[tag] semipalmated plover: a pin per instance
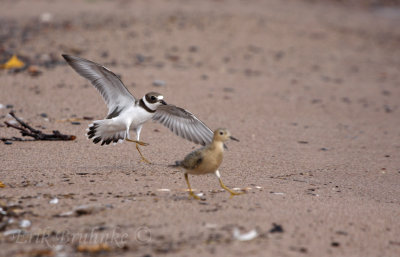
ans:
(207, 160)
(125, 112)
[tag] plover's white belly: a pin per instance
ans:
(137, 116)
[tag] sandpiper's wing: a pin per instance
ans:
(192, 160)
(183, 124)
(115, 94)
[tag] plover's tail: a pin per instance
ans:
(177, 164)
(105, 131)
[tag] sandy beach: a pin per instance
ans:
(311, 89)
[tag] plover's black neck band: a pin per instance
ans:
(142, 104)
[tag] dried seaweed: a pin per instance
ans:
(36, 134)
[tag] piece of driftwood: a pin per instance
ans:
(27, 130)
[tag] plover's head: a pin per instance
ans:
(153, 100)
(223, 135)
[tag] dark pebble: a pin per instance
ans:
(335, 244)
(44, 115)
(104, 54)
(387, 109)
(276, 228)
(193, 49)
(204, 77)
(75, 123)
(279, 55)
(140, 58)
(7, 142)
(228, 89)
(9, 106)
(302, 142)
(303, 250)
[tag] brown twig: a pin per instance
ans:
(27, 130)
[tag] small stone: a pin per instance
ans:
(335, 244)
(34, 71)
(279, 55)
(204, 77)
(159, 83)
(54, 201)
(46, 17)
(276, 228)
(229, 89)
(104, 54)
(140, 58)
(302, 142)
(193, 49)
(387, 109)
(25, 223)
(44, 115)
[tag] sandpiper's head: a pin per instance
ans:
(153, 100)
(223, 135)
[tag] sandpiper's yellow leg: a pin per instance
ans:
(190, 189)
(225, 187)
(137, 147)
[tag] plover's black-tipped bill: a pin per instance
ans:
(234, 139)
(163, 102)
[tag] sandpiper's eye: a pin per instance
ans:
(153, 98)
(221, 133)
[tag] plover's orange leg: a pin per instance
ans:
(137, 142)
(137, 147)
(143, 159)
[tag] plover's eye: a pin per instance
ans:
(153, 98)
(221, 133)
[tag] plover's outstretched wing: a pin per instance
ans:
(184, 124)
(115, 94)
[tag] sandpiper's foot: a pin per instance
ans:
(233, 193)
(191, 194)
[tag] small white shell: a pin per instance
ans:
(54, 201)
(246, 236)
(25, 223)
